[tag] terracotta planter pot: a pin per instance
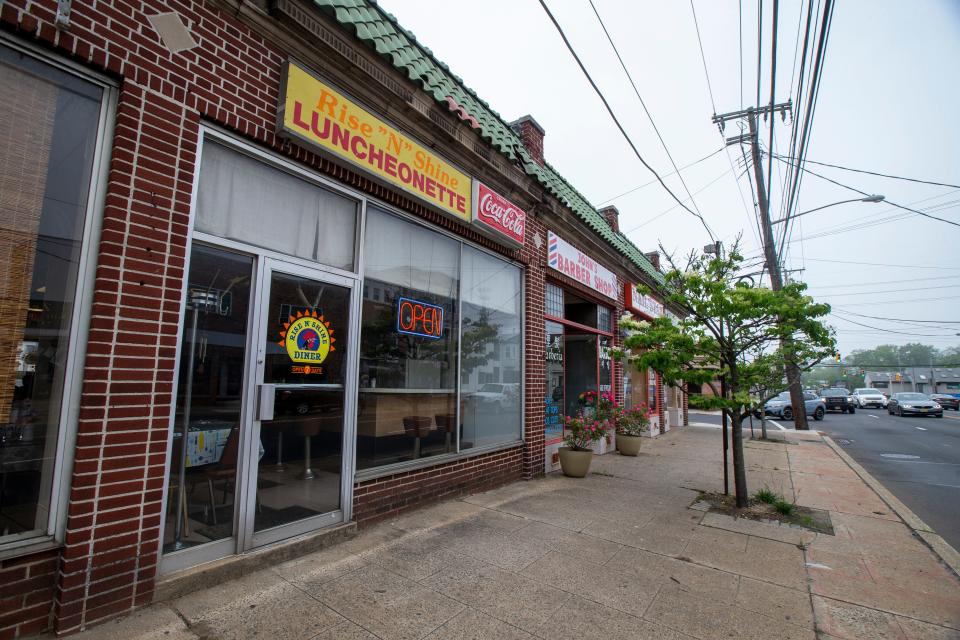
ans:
(575, 464)
(628, 445)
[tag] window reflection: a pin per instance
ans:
(49, 132)
(408, 375)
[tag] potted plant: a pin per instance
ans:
(587, 401)
(580, 433)
(631, 425)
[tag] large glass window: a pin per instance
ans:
(246, 200)
(489, 351)
(206, 435)
(553, 402)
(408, 343)
(48, 139)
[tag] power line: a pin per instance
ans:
(644, 105)
(864, 304)
(613, 116)
(666, 175)
(773, 86)
(860, 315)
(886, 264)
(905, 333)
(870, 293)
(864, 193)
(840, 286)
(882, 175)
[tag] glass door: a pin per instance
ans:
(304, 394)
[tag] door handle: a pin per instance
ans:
(265, 404)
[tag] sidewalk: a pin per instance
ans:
(617, 555)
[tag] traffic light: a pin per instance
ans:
(896, 377)
(838, 356)
(861, 371)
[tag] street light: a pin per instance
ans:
(873, 198)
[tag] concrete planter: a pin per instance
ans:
(628, 445)
(575, 464)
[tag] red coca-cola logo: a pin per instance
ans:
(499, 213)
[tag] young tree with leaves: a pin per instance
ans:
(734, 329)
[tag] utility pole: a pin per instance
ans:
(769, 247)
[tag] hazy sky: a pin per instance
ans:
(889, 102)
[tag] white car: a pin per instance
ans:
(870, 398)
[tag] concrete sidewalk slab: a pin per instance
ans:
(619, 554)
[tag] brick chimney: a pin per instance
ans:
(654, 258)
(531, 134)
(612, 216)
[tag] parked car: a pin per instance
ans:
(868, 397)
(945, 401)
(503, 395)
(837, 399)
(780, 406)
(913, 404)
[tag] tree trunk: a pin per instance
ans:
(739, 468)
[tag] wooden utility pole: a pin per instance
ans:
(791, 370)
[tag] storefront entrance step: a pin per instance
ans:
(208, 574)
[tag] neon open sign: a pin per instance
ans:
(418, 318)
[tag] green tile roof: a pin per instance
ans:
(381, 31)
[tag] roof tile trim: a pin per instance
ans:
(380, 31)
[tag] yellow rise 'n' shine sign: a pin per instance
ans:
(313, 111)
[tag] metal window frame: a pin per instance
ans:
(69, 411)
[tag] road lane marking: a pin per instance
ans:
(873, 416)
(899, 456)
(920, 428)
(777, 425)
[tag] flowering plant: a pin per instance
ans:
(634, 422)
(580, 433)
(587, 399)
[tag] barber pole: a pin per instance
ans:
(493, 212)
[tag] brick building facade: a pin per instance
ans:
(143, 114)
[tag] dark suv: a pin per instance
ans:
(837, 400)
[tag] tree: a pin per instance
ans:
(731, 329)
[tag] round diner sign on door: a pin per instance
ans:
(307, 338)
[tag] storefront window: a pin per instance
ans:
(489, 351)
(635, 390)
(408, 343)
(553, 402)
(606, 364)
(49, 133)
(203, 474)
(249, 201)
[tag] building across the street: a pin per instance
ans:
(918, 379)
(270, 268)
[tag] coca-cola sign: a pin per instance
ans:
(493, 212)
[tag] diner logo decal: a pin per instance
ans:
(308, 339)
(313, 111)
(491, 211)
(570, 261)
(418, 318)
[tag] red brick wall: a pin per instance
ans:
(391, 495)
(26, 590)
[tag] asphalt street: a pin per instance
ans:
(916, 458)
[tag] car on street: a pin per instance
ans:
(502, 395)
(867, 397)
(945, 401)
(780, 406)
(913, 404)
(837, 399)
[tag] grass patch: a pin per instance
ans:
(768, 496)
(783, 507)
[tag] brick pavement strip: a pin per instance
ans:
(619, 554)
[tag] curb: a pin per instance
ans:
(938, 545)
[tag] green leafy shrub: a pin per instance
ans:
(783, 507)
(768, 496)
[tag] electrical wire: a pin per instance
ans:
(864, 304)
(882, 175)
(871, 293)
(666, 175)
(864, 193)
(886, 264)
(644, 105)
(905, 333)
(860, 315)
(840, 286)
(616, 121)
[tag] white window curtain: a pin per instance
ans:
(246, 200)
